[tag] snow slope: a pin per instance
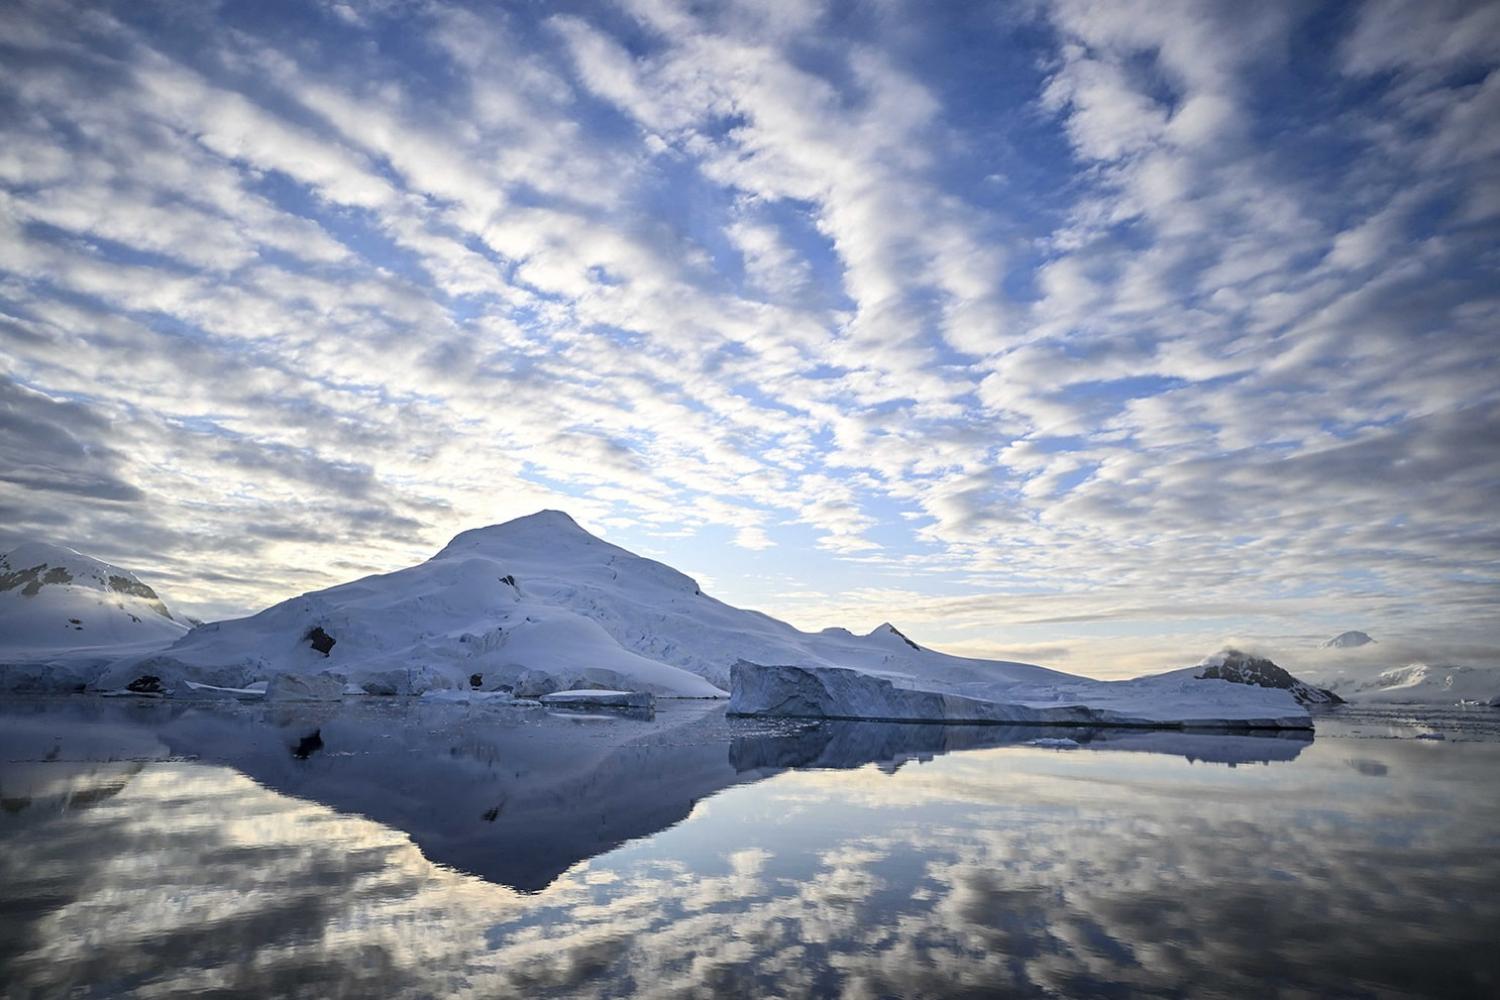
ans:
(63, 614)
(1423, 684)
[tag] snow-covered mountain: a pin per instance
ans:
(538, 604)
(1347, 640)
(1423, 684)
(532, 604)
(62, 612)
(1243, 668)
(53, 597)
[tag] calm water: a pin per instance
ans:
(160, 849)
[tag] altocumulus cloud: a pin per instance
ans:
(1109, 327)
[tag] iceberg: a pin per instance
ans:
(1176, 700)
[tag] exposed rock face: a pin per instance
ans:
(1347, 640)
(1242, 668)
(34, 567)
(31, 579)
(145, 684)
(893, 630)
(321, 641)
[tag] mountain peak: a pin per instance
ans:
(887, 629)
(1348, 640)
(54, 597)
(33, 565)
(36, 553)
(543, 526)
(1239, 667)
(548, 515)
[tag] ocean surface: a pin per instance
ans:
(387, 847)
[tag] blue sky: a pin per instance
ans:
(1091, 333)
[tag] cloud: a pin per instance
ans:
(1154, 301)
(51, 445)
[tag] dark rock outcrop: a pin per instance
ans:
(1242, 668)
(321, 641)
(146, 684)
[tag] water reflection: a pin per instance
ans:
(1007, 869)
(841, 744)
(516, 796)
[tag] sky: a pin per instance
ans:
(1097, 334)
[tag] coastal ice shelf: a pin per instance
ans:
(538, 605)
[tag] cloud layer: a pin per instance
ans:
(1112, 329)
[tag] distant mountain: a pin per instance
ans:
(54, 597)
(1347, 640)
(60, 608)
(1424, 684)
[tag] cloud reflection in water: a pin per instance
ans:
(1002, 870)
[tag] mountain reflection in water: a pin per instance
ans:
(445, 850)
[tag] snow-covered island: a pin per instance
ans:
(536, 606)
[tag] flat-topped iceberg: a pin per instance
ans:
(600, 699)
(1179, 699)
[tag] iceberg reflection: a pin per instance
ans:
(889, 867)
(516, 796)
